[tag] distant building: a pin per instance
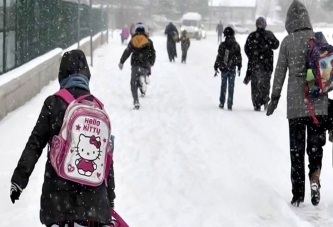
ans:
(239, 11)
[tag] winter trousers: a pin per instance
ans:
(260, 87)
(172, 50)
(138, 80)
(219, 38)
(299, 129)
(227, 77)
(184, 55)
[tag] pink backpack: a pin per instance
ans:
(82, 151)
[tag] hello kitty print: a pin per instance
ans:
(81, 152)
(88, 150)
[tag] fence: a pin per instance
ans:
(30, 28)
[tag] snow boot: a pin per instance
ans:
(230, 107)
(257, 108)
(296, 201)
(315, 188)
(221, 106)
(330, 136)
(137, 106)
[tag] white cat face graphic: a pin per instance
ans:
(88, 147)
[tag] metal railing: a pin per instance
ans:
(30, 28)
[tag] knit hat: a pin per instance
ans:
(73, 62)
(261, 23)
(140, 27)
(228, 32)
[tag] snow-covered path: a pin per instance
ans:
(180, 161)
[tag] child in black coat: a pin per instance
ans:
(63, 201)
(185, 44)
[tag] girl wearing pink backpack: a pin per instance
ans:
(63, 201)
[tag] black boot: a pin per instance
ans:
(221, 106)
(315, 187)
(257, 108)
(229, 107)
(296, 200)
(315, 193)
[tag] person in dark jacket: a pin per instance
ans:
(229, 56)
(63, 201)
(143, 58)
(292, 57)
(185, 45)
(172, 38)
(219, 30)
(259, 49)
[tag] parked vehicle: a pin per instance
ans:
(239, 29)
(191, 22)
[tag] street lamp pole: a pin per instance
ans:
(78, 24)
(91, 35)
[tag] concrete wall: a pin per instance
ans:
(21, 84)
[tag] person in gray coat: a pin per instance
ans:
(292, 57)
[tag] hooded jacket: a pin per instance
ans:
(185, 41)
(61, 199)
(142, 50)
(292, 57)
(234, 57)
(259, 48)
(170, 31)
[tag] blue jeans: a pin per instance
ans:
(229, 77)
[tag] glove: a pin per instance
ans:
(239, 70)
(121, 66)
(272, 105)
(216, 72)
(15, 192)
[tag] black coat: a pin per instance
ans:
(172, 37)
(259, 48)
(62, 200)
(185, 42)
(235, 56)
(170, 31)
(142, 50)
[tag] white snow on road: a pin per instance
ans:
(180, 161)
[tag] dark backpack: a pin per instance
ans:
(228, 57)
(319, 75)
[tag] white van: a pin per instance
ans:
(191, 22)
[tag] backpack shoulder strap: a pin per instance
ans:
(65, 95)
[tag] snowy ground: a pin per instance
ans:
(180, 161)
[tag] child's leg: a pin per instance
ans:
(135, 84)
(223, 88)
(231, 85)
